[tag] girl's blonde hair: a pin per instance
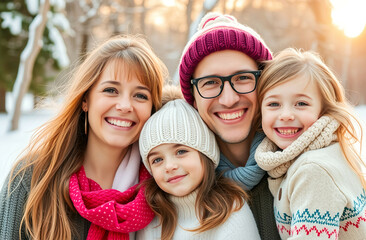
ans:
(217, 198)
(291, 63)
(56, 149)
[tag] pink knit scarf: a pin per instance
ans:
(113, 214)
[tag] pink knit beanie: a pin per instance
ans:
(218, 32)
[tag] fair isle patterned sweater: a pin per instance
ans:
(316, 194)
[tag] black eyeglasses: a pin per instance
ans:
(211, 86)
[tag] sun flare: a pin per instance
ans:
(349, 16)
(168, 3)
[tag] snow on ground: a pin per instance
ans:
(11, 144)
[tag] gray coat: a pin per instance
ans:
(12, 207)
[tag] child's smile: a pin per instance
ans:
(176, 168)
(289, 109)
(288, 132)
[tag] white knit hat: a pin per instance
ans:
(178, 122)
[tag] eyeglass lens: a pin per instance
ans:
(241, 82)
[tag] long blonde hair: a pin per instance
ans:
(217, 198)
(56, 149)
(291, 63)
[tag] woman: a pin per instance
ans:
(87, 156)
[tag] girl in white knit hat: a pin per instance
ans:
(309, 152)
(190, 202)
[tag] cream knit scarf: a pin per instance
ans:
(276, 162)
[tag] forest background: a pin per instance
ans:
(334, 28)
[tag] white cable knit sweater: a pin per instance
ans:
(240, 224)
(316, 194)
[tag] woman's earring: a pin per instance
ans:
(86, 123)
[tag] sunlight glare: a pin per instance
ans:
(168, 3)
(349, 16)
(159, 20)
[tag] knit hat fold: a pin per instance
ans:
(217, 32)
(177, 122)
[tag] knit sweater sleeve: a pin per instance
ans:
(12, 207)
(151, 231)
(316, 203)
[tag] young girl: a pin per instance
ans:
(78, 177)
(190, 202)
(309, 152)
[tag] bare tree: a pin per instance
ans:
(322, 14)
(142, 18)
(89, 10)
(2, 99)
(188, 14)
(27, 60)
(207, 6)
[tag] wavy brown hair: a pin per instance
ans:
(291, 63)
(217, 198)
(56, 149)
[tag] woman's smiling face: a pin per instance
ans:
(118, 106)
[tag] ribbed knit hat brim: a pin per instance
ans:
(178, 122)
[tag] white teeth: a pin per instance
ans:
(288, 131)
(230, 116)
(120, 123)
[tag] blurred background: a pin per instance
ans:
(69, 28)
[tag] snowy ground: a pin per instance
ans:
(12, 143)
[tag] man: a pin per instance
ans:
(218, 74)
